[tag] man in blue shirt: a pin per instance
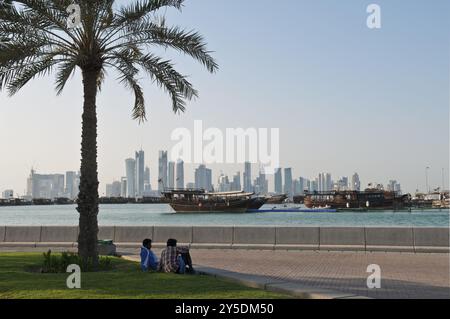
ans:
(149, 261)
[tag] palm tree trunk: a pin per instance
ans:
(88, 195)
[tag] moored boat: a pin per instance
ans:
(200, 201)
(277, 199)
(299, 199)
(294, 210)
(256, 203)
(368, 199)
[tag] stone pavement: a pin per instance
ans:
(403, 275)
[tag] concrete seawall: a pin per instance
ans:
(400, 239)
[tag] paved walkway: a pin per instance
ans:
(403, 275)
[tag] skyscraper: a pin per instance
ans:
(203, 178)
(48, 186)
(342, 184)
(190, 185)
(248, 178)
(109, 190)
(224, 184)
(147, 190)
(325, 183)
(278, 181)
(180, 174)
(70, 178)
(393, 186)
(123, 187)
(236, 184)
(116, 188)
(8, 194)
(140, 168)
(171, 175)
(321, 182)
(209, 184)
(313, 186)
(296, 187)
(261, 184)
(162, 171)
(130, 168)
(147, 184)
(147, 175)
(72, 184)
(288, 182)
(356, 183)
(302, 184)
(328, 182)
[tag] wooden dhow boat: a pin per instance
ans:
(370, 199)
(200, 201)
(277, 199)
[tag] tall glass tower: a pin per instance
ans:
(171, 175)
(180, 174)
(140, 168)
(278, 181)
(130, 168)
(288, 182)
(162, 171)
(248, 178)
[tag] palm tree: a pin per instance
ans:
(36, 40)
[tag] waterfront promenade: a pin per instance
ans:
(414, 261)
(403, 275)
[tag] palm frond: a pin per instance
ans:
(65, 70)
(128, 72)
(36, 40)
(27, 73)
(141, 8)
(187, 42)
(148, 33)
(164, 72)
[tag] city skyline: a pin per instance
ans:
(66, 184)
(383, 94)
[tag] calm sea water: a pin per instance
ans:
(134, 215)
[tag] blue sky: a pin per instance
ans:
(346, 98)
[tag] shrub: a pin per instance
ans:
(59, 263)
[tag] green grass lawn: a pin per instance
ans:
(125, 281)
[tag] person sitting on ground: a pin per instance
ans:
(175, 259)
(149, 261)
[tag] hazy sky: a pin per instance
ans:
(346, 98)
